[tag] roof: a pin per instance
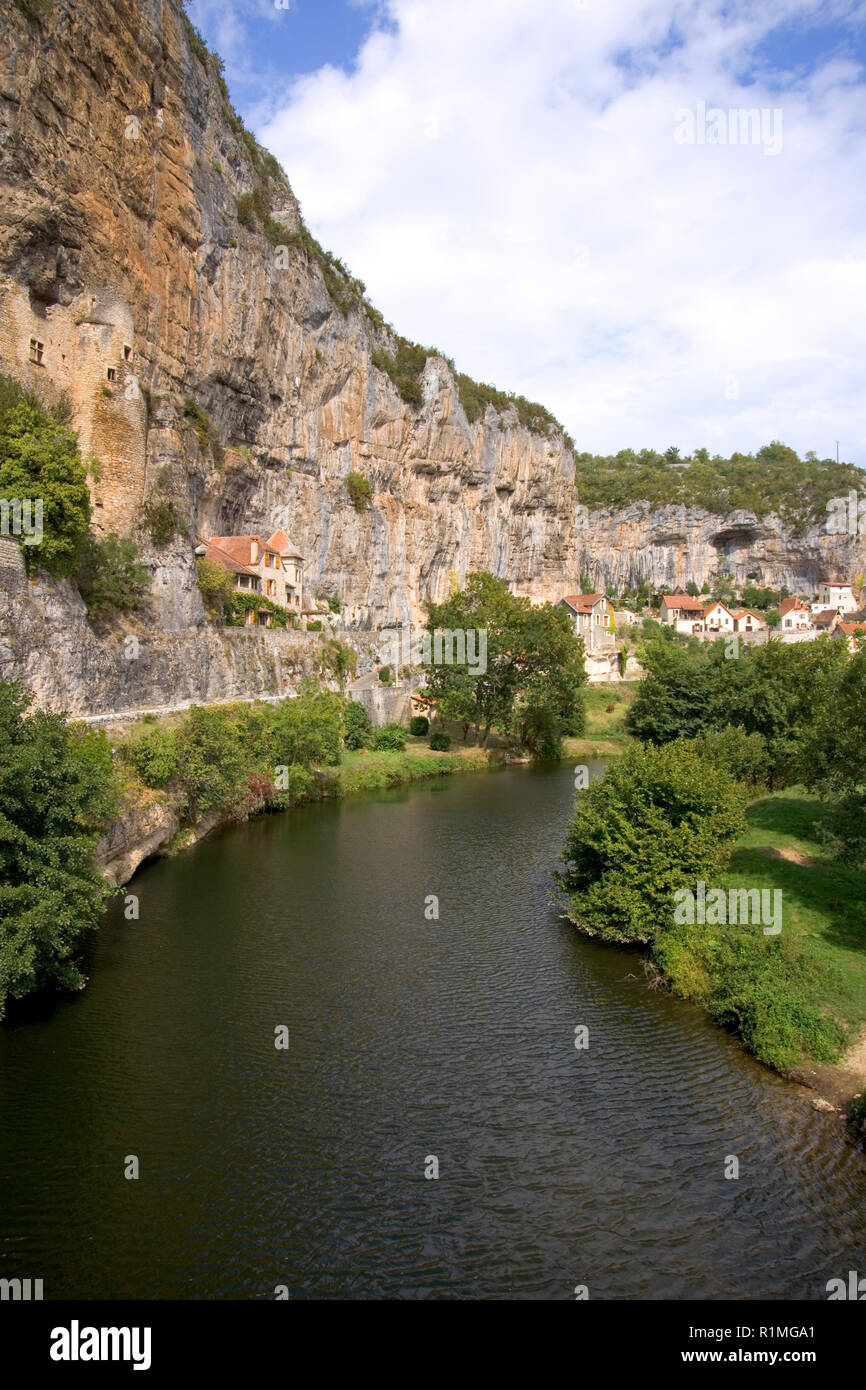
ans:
(684, 601)
(789, 604)
(221, 556)
(849, 629)
(826, 616)
(746, 613)
(240, 547)
(280, 542)
(835, 583)
(581, 603)
(708, 608)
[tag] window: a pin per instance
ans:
(267, 559)
(127, 352)
(276, 562)
(111, 373)
(37, 351)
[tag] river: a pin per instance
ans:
(410, 1039)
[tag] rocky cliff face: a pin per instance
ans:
(121, 249)
(671, 545)
(123, 255)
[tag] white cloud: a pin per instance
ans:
(509, 188)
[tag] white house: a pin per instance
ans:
(682, 612)
(718, 618)
(841, 596)
(795, 615)
(747, 621)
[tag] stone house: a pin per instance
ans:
(272, 569)
(593, 618)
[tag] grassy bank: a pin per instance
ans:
(799, 1000)
(362, 771)
(606, 709)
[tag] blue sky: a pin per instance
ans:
(515, 182)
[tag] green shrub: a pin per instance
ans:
(357, 726)
(390, 736)
(419, 727)
(40, 461)
(306, 730)
(405, 368)
(39, 10)
(111, 579)
(385, 676)
(440, 742)
(743, 755)
(359, 489)
(216, 586)
(58, 793)
(153, 756)
(314, 626)
(334, 603)
(198, 419)
(163, 522)
(660, 819)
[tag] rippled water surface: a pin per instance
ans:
(409, 1038)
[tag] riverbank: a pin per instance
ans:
(824, 911)
(154, 821)
(606, 709)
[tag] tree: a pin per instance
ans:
(306, 730)
(659, 820)
(40, 462)
(357, 725)
(673, 699)
(216, 586)
(111, 578)
(531, 675)
(834, 761)
(57, 794)
(692, 588)
(213, 759)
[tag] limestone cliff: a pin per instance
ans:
(121, 248)
(152, 255)
(673, 544)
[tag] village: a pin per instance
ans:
(607, 624)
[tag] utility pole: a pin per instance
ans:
(837, 451)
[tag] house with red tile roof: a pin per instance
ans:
(271, 569)
(682, 612)
(718, 618)
(746, 620)
(795, 615)
(852, 633)
(593, 619)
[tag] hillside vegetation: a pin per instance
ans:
(775, 479)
